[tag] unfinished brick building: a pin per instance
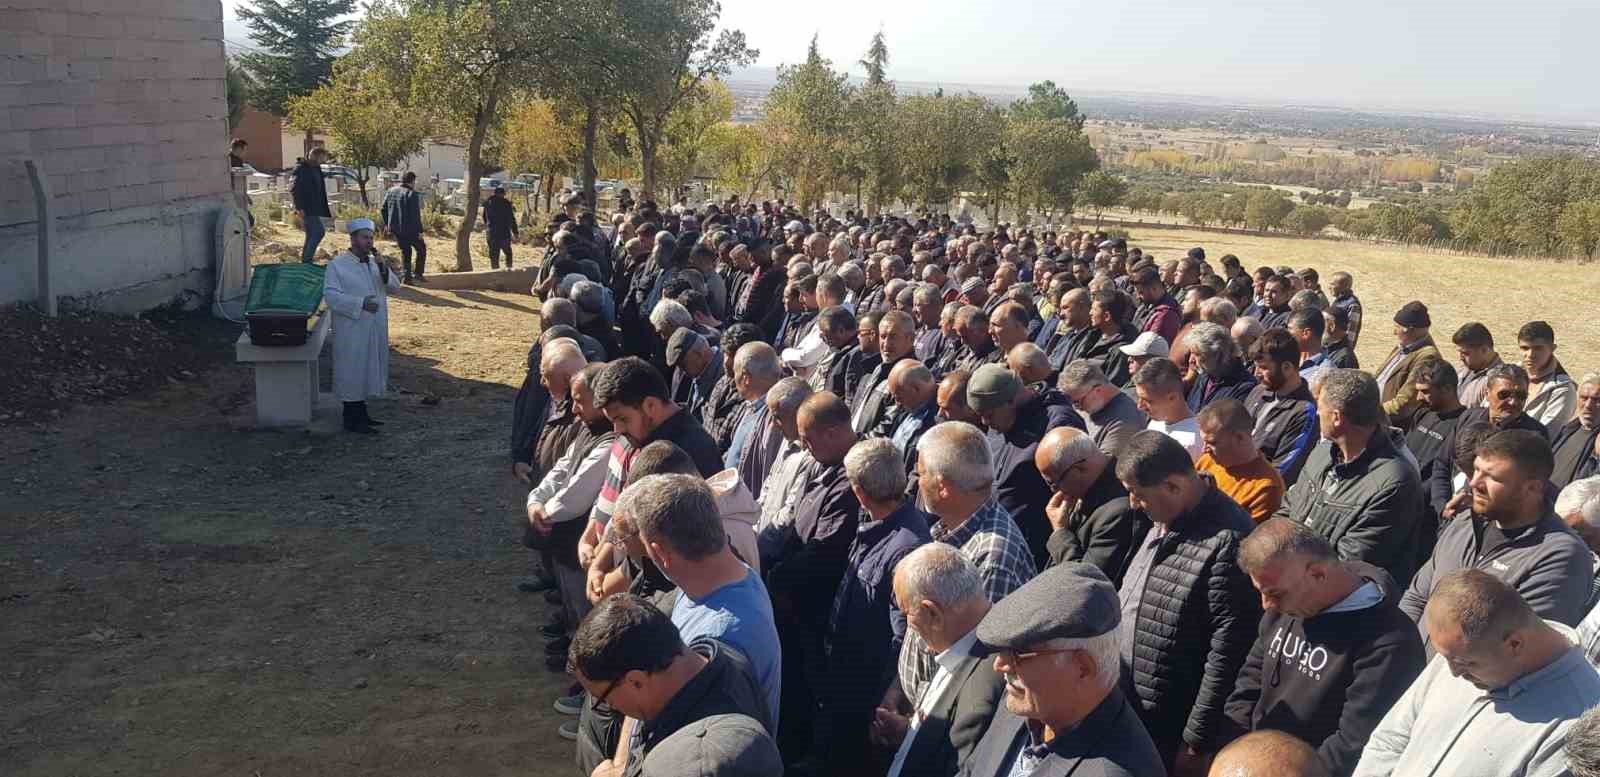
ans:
(120, 104)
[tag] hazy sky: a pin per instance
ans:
(1535, 57)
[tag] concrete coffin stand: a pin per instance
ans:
(287, 393)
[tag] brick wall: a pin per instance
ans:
(120, 101)
(121, 104)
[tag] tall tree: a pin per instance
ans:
(806, 125)
(1045, 100)
(459, 62)
(681, 51)
(298, 40)
(1579, 224)
(368, 127)
(1051, 158)
(1102, 190)
(237, 85)
(876, 62)
(684, 142)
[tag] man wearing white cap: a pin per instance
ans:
(356, 287)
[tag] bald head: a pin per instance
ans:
(1029, 362)
(911, 384)
(558, 362)
(1267, 753)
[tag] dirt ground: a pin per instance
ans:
(182, 596)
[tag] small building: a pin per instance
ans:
(121, 107)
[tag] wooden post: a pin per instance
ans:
(47, 237)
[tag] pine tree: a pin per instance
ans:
(297, 41)
(876, 61)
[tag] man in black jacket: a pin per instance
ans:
(1439, 411)
(1333, 653)
(1188, 611)
(501, 220)
(402, 219)
(1358, 490)
(1507, 397)
(628, 654)
(1089, 514)
(310, 195)
(942, 597)
(803, 577)
(1056, 641)
(636, 399)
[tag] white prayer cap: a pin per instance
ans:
(356, 225)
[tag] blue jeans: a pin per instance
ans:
(314, 233)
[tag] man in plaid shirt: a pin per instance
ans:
(956, 479)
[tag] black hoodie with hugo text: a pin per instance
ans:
(1329, 679)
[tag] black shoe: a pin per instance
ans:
(419, 281)
(536, 584)
(361, 429)
(553, 631)
(556, 664)
(552, 596)
(373, 422)
(407, 280)
(558, 647)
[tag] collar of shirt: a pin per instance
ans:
(1368, 595)
(980, 519)
(1550, 674)
(1315, 360)
(950, 657)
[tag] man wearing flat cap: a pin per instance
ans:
(1016, 417)
(1398, 378)
(1055, 641)
(356, 287)
(695, 367)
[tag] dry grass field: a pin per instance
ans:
(1502, 293)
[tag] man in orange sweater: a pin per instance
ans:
(1232, 459)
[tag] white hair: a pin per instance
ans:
(670, 312)
(1212, 345)
(759, 361)
(938, 573)
(957, 453)
(1105, 649)
(875, 467)
(1582, 497)
(1219, 311)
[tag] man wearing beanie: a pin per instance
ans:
(1414, 343)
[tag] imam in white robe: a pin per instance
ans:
(360, 338)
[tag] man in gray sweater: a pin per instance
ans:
(1511, 534)
(1499, 697)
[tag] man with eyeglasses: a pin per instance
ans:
(629, 655)
(1090, 518)
(1055, 640)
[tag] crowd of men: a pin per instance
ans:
(897, 496)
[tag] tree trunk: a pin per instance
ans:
(647, 167)
(591, 130)
(361, 182)
(305, 149)
(469, 217)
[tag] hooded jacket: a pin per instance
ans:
(1330, 678)
(740, 513)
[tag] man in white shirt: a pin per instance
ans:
(943, 600)
(805, 355)
(1158, 386)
